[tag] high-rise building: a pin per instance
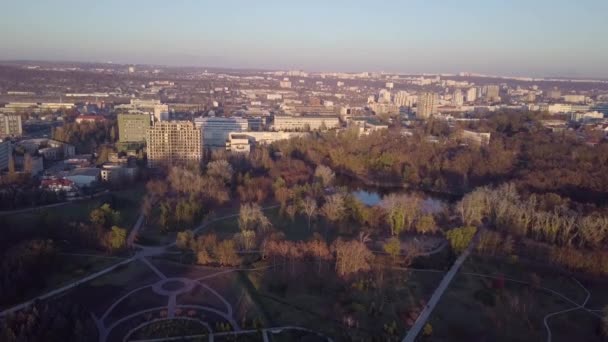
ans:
(471, 94)
(427, 105)
(554, 94)
(404, 99)
(174, 142)
(492, 93)
(5, 154)
(215, 129)
(10, 126)
(133, 127)
(458, 98)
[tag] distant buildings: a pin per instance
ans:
(10, 126)
(404, 99)
(476, 138)
(48, 148)
(492, 93)
(305, 123)
(458, 98)
(241, 142)
(5, 154)
(285, 83)
(132, 128)
(90, 118)
(170, 142)
(427, 105)
(215, 129)
(471, 94)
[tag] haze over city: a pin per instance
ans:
(310, 171)
(523, 38)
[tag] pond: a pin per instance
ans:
(430, 205)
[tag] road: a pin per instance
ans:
(439, 291)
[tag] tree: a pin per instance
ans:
(226, 253)
(104, 216)
(333, 209)
(393, 247)
(460, 238)
(352, 257)
(426, 224)
(325, 175)
(118, 238)
(220, 169)
(203, 257)
(309, 207)
(401, 211)
(251, 217)
(319, 250)
(185, 239)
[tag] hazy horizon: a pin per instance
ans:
(517, 38)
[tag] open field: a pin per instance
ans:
(511, 302)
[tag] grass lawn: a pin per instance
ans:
(66, 269)
(326, 305)
(476, 308)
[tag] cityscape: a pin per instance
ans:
(281, 197)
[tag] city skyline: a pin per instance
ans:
(540, 39)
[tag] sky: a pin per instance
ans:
(501, 37)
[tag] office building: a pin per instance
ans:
(133, 127)
(471, 94)
(174, 142)
(5, 154)
(492, 93)
(305, 123)
(10, 126)
(215, 129)
(427, 105)
(161, 112)
(458, 98)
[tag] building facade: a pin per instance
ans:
(133, 127)
(215, 130)
(10, 126)
(305, 123)
(427, 105)
(5, 154)
(170, 142)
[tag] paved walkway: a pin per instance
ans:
(439, 291)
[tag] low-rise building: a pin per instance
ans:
(243, 141)
(215, 130)
(305, 123)
(476, 138)
(117, 173)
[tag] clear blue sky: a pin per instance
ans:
(514, 37)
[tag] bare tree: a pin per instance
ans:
(309, 207)
(352, 257)
(325, 175)
(220, 169)
(333, 209)
(251, 217)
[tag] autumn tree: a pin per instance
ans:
(460, 238)
(401, 211)
(392, 247)
(226, 253)
(333, 208)
(185, 239)
(426, 224)
(117, 238)
(251, 217)
(352, 257)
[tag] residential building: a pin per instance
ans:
(471, 94)
(404, 99)
(10, 126)
(285, 83)
(170, 142)
(305, 123)
(427, 105)
(215, 129)
(492, 93)
(458, 98)
(5, 154)
(133, 127)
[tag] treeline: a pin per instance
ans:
(87, 136)
(547, 231)
(520, 150)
